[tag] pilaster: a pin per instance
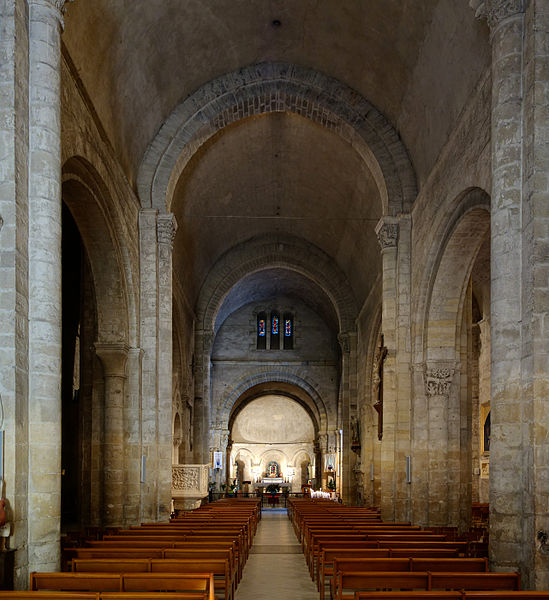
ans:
(166, 227)
(394, 238)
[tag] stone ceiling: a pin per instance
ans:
(416, 61)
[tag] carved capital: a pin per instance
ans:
(113, 357)
(387, 232)
(344, 340)
(496, 11)
(166, 227)
(438, 379)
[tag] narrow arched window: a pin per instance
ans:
(275, 331)
(288, 331)
(261, 331)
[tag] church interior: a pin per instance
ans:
(301, 244)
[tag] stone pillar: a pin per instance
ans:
(347, 396)
(506, 20)
(132, 433)
(44, 292)
(148, 263)
(166, 228)
(394, 238)
(519, 454)
(438, 381)
(203, 348)
(14, 112)
(156, 234)
(113, 357)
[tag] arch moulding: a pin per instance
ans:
(268, 252)
(277, 87)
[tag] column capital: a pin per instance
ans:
(113, 357)
(345, 339)
(166, 227)
(496, 11)
(438, 378)
(57, 7)
(387, 232)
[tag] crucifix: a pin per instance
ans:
(379, 361)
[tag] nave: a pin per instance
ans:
(233, 550)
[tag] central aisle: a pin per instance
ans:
(276, 566)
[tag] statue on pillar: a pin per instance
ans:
(377, 384)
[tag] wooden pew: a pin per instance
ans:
(172, 582)
(43, 595)
(131, 582)
(474, 581)
(353, 563)
(377, 580)
(419, 580)
(409, 595)
(219, 567)
(92, 582)
(503, 595)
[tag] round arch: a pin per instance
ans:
(273, 380)
(280, 389)
(277, 87)
(85, 195)
(461, 240)
(276, 251)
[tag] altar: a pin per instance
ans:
(269, 480)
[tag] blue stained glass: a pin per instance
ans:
(288, 328)
(261, 328)
(274, 325)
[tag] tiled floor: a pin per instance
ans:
(276, 567)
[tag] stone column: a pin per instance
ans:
(44, 292)
(520, 237)
(506, 20)
(438, 381)
(113, 357)
(509, 473)
(14, 112)
(203, 348)
(166, 228)
(347, 396)
(148, 264)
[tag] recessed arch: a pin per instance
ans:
(462, 238)
(276, 251)
(276, 87)
(273, 380)
(86, 197)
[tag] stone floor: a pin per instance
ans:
(276, 567)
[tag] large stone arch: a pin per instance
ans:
(277, 87)
(458, 242)
(441, 405)
(86, 196)
(276, 251)
(272, 380)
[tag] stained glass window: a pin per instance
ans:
(275, 331)
(288, 331)
(261, 331)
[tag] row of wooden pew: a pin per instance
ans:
(352, 554)
(197, 555)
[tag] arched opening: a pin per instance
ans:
(78, 335)
(272, 431)
(94, 316)
(455, 364)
